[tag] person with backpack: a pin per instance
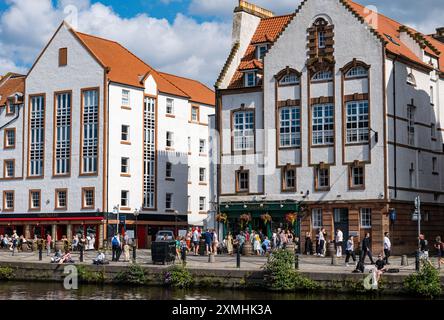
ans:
(366, 249)
(115, 242)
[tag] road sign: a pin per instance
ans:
(122, 219)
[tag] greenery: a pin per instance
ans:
(425, 283)
(279, 269)
(179, 277)
(89, 276)
(6, 273)
(134, 274)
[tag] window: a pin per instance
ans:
(189, 145)
(316, 218)
(242, 181)
(88, 198)
(202, 203)
(322, 124)
(411, 125)
(169, 139)
(432, 96)
(125, 133)
(8, 200)
(366, 218)
(125, 98)
(435, 165)
(195, 114)
(61, 198)
(356, 72)
(169, 170)
(289, 179)
(357, 121)
(63, 134)
(322, 76)
(169, 106)
(63, 57)
(34, 199)
(261, 50)
(36, 136)
(290, 79)
(9, 142)
(90, 123)
(10, 107)
(357, 176)
(250, 79)
(411, 79)
(9, 169)
(169, 201)
(243, 130)
(149, 153)
(124, 165)
(433, 130)
(202, 146)
(412, 177)
(124, 198)
(321, 39)
(290, 127)
(322, 178)
(202, 175)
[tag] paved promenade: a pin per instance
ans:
(222, 262)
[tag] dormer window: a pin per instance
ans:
(357, 72)
(322, 76)
(250, 79)
(261, 50)
(289, 79)
(411, 79)
(10, 107)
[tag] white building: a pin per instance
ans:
(104, 132)
(334, 111)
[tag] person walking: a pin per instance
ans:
(321, 243)
(439, 245)
(423, 246)
(339, 241)
(308, 244)
(115, 242)
(195, 238)
(366, 249)
(350, 250)
(15, 239)
(230, 244)
(126, 251)
(387, 248)
(48, 244)
(208, 241)
(215, 241)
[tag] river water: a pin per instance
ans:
(55, 291)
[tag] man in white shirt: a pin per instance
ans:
(387, 247)
(339, 240)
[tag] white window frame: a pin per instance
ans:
(9, 200)
(321, 39)
(202, 204)
(260, 52)
(202, 146)
(195, 114)
(37, 136)
(322, 125)
(365, 218)
(316, 218)
(169, 106)
(92, 193)
(356, 72)
(411, 80)
(202, 174)
(90, 131)
(243, 130)
(320, 177)
(250, 78)
(9, 165)
(325, 75)
(10, 136)
(149, 153)
(36, 200)
(58, 193)
(126, 98)
(124, 198)
(287, 178)
(290, 79)
(123, 133)
(357, 121)
(290, 127)
(243, 177)
(62, 118)
(357, 175)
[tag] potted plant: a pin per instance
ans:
(222, 218)
(291, 218)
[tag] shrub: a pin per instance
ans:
(178, 277)
(89, 276)
(134, 274)
(282, 276)
(425, 283)
(6, 273)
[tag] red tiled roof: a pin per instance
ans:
(197, 91)
(10, 84)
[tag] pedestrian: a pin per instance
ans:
(308, 244)
(321, 243)
(195, 238)
(48, 244)
(387, 248)
(257, 245)
(215, 241)
(115, 242)
(230, 243)
(423, 246)
(240, 240)
(208, 241)
(183, 250)
(366, 249)
(274, 240)
(380, 267)
(15, 239)
(126, 251)
(282, 239)
(440, 249)
(188, 239)
(350, 250)
(266, 245)
(338, 242)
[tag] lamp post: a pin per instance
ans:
(175, 222)
(136, 214)
(116, 211)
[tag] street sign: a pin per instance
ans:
(122, 219)
(393, 215)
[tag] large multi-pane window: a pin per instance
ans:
(323, 124)
(356, 72)
(357, 121)
(243, 130)
(289, 79)
(149, 153)
(62, 134)
(290, 127)
(366, 218)
(36, 136)
(411, 125)
(322, 76)
(90, 121)
(316, 218)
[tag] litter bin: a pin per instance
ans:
(163, 250)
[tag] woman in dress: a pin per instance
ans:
(230, 244)
(215, 242)
(257, 245)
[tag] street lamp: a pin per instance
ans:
(175, 221)
(136, 214)
(116, 211)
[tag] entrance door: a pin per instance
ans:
(141, 237)
(341, 222)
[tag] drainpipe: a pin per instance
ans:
(13, 119)
(394, 128)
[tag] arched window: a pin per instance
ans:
(290, 79)
(411, 79)
(355, 72)
(322, 76)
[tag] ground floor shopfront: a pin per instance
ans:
(352, 217)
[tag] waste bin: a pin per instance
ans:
(163, 252)
(202, 247)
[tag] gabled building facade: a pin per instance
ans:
(105, 137)
(332, 112)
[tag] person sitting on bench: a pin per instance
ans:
(100, 259)
(66, 258)
(380, 267)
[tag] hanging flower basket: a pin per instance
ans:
(222, 218)
(291, 218)
(244, 219)
(266, 218)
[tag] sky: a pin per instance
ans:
(190, 38)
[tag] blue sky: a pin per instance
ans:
(187, 37)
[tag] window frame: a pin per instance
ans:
(169, 139)
(168, 170)
(36, 130)
(63, 57)
(31, 206)
(84, 202)
(297, 134)
(202, 149)
(5, 168)
(126, 199)
(318, 213)
(321, 76)
(238, 181)
(126, 98)
(202, 209)
(122, 166)
(368, 220)
(351, 175)
(6, 144)
(89, 148)
(284, 178)
(57, 199)
(204, 175)
(318, 170)
(260, 56)
(6, 208)
(171, 201)
(168, 105)
(360, 118)
(248, 141)
(197, 109)
(61, 143)
(357, 72)
(323, 134)
(250, 83)
(411, 128)
(285, 82)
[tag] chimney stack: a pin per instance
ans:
(439, 35)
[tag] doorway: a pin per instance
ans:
(341, 222)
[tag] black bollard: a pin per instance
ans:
(417, 261)
(296, 261)
(238, 257)
(184, 256)
(81, 253)
(40, 253)
(134, 253)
